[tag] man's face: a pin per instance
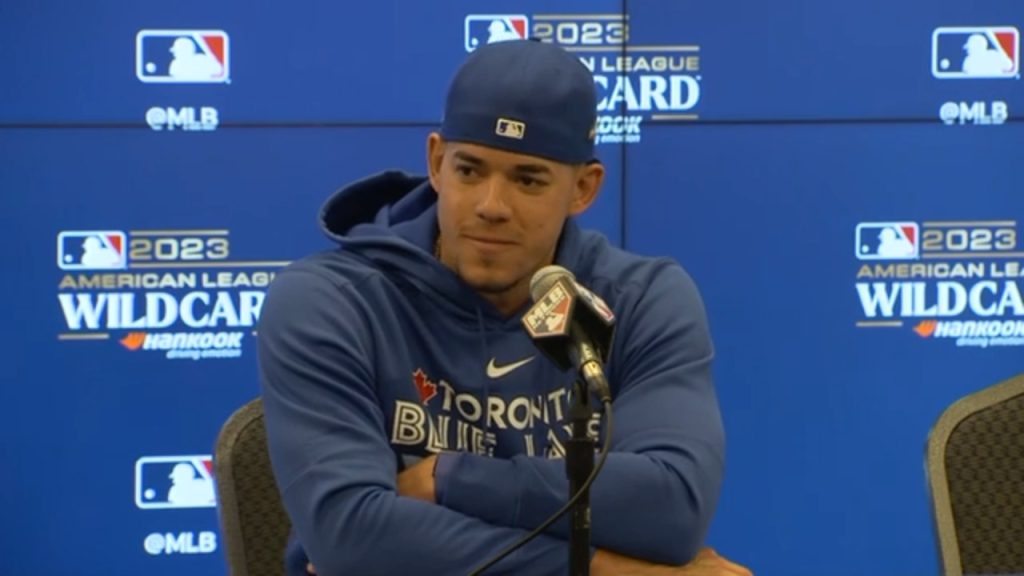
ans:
(501, 213)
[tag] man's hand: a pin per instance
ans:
(417, 481)
(707, 563)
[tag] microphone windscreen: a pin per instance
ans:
(545, 278)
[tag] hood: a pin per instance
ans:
(391, 219)
(378, 207)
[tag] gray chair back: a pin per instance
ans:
(975, 468)
(253, 521)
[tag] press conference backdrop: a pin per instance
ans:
(841, 180)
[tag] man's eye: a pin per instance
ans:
(530, 181)
(464, 170)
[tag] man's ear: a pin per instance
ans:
(435, 158)
(589, 179)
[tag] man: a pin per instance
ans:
(413, 426)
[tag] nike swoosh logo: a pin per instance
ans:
(495, 371)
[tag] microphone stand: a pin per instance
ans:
(579, 462)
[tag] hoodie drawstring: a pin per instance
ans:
(487, 390)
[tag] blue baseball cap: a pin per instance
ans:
(526, 97)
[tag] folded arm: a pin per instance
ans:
(331, 458)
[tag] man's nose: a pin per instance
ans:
(493, 204)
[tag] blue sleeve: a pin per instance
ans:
(330, 454)
(656, 495)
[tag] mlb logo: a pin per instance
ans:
(597, 304)
(887, 240)
(510, 128)
(492, 28)
(182, 56)
(91, 250)
(174, 482)
(549, 316)
(976, 52)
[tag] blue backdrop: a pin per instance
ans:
(839, 179)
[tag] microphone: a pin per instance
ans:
(571, 325)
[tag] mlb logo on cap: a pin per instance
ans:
(887, 240)
(182, 56)
(976, 52)
(174, 482)
(490, 28)
(510, 128)
(91, 250)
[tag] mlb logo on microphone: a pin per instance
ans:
(91, 250)
(491, 28)
(182, 56)
(174, 482)
(887, 240)
(976, 52)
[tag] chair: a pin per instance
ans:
(254, 523)
(975, 469)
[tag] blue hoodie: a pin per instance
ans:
(375, 355)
